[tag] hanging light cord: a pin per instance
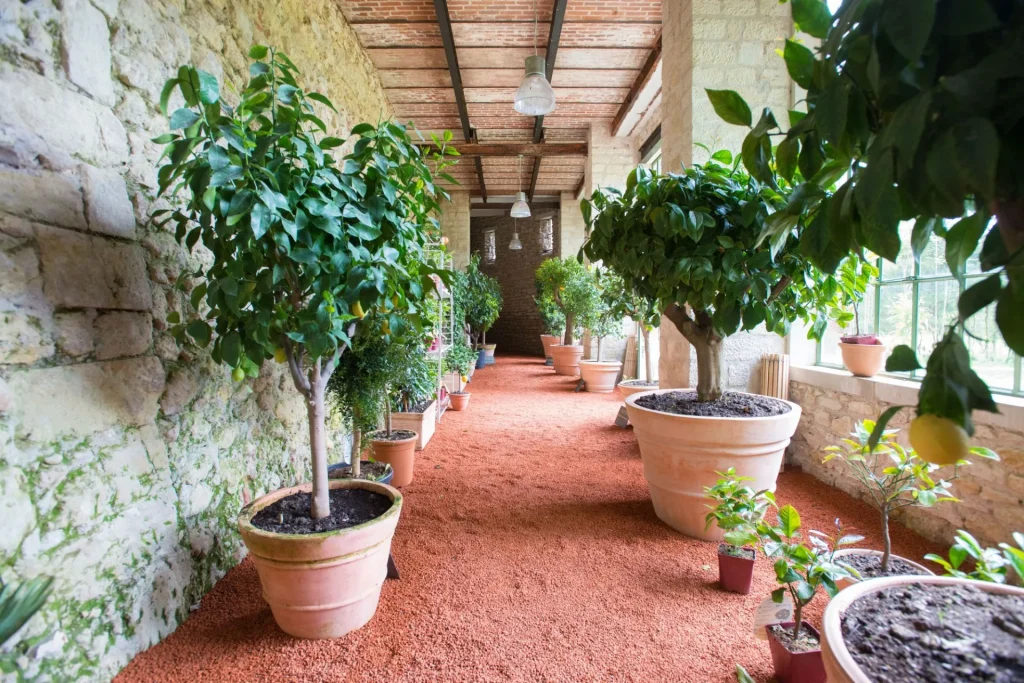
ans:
(535, 27)
(519, 173)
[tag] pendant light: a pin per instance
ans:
(520, 209)
(535, 96)
(515, 244)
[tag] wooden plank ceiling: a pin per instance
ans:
(603, 48)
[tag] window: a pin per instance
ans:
(913, 303)
(490, 247)
(650, 151)
(547, 236)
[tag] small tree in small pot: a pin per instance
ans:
(599, 376)
(895, 478)
(554, 323)
(737, 511)
(625, 302)
(300, 247)
(572, 287)
(801, 569)
(481, 301)
(414, 392)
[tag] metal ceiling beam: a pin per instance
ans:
(514, 149)
(554, 36)
(642, 79)
(444, 23)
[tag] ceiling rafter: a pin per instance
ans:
(514, 149)
(642, 79)
(554, 36)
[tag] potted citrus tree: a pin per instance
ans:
(626, 303)
(572, 287)
(600, 376)
(414, 392)
(691, 245)
(737, 511)
(301, 250)
(482, 305)
(554, 324)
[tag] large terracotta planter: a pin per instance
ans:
(845, 583)
(839, 663)
(863, 360)
(423, 424)
(628, 390)
(549, 340)
(400, 454)
(681, 455)
(796, 667)
(322, 585)
(567, 359)
(599, 376)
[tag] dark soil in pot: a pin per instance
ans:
(730, 405)
(936, 634)
(639, 383)
(419, 406)
(807, 641)
(733, 551)
(396, 435)
(870, 566)
(349, 507)
(370, 470)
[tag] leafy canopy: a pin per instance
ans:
(738, 509)
(481, 297)
(571, 285)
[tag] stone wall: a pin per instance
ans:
(455, 226)
(124, 459)
(519, 327)
(992, 493)
(572, 230)
(610, 159)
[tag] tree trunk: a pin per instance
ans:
(357, 453)
(886, 542)
(647, 350)
(484, 342)
(798, 617)
(321, 505)
(568, 330)
(709, 368)
(387, 413)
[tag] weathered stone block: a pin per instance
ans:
(87, 398)
(120, 334)
(23, 338)
(182, 387)
(74, 332)
(42, 196)
(107, 205)
(86, 50)
(83, 271)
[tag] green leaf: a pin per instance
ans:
(209, 90)
(183, 118)
(362, 129)
(831, 109)
(908, 23)
(962, 240)
(812, 17)
(742, 676)
(200, 332)
(757, 152)
(19, 602)
(225, 176)
(165, 94)
(317, 97)
(922, 233)
(231, 349)
(902, 359)
(789, 520)
(879, 206)
(165, 138)
(978, 296)
(1010, 317)
(799, 63)
(724, 156)
(786, 156)
(258, 52)
(879, 430)
(730, 107)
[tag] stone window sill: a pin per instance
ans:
(900, 392)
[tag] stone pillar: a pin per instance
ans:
(610, 159)
(571, 228)
(718, 44)
(455, 226)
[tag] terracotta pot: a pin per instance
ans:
(549, 340)
(735, 573)
(796, 667)
(871, 339)
(863, 360)
(681, 455)
(839, 664)
(840, 554)
(459, 401)
(600, 376)
(322, 585)
(489, 353)
(423, 424)
(567, 359)
(628, 389)
(400, 454)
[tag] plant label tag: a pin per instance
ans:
(769, 612)
(622, 419)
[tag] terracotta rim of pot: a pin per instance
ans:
(627, 389)
(602, 363)
(839, 663)
(793, 408)
(395, 441)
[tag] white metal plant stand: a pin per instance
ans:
(444, 327)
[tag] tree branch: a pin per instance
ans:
(295, 366)
(779, 287)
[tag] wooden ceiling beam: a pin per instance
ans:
(444, 22)
(642, 79)
(507, 206)
(514, 149)
(554, 36)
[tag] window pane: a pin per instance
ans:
(935, 313)
(904, 266)
(991, 358)
(933, 259)
(895, 314)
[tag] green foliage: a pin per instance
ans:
(738, 509)
(915, 107)
(19, 602)
(360, 383)
(459, 357)
(625, 302)
(300, 244)
(550, 314)
(480, 298)
(989, 564)
(572, 287)
(413, 377)
(802, 569)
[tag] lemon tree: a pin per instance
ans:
(572, 286)
(303, 252)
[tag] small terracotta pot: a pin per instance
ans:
(839, 663)
(735, 573)
(567, 359)
(459, 401)
(599, 376)
(844, 583)
(627, 389)
(400, 454)
(549, 340)
(863, 360)
(322, 585)
(796, 667)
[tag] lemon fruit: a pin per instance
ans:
(357, 310)
(938, 440)
(279, 355)
(238, 374)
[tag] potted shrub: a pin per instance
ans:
(482, 305)
(625, 302)
(301, 250)
(554, 324)
(599, 376)
(737, 511)
(396, 447)
(573, 289)
(801, 569)
(707, 222)
(895, 478)
(459, 361)
(413, 384)
(863, 354)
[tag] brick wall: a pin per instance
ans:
(519, 328)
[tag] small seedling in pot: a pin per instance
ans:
(990, 564)
(894, 476)
(737, 510)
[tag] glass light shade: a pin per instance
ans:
(520, 209)
(515, 244)
(535, 96)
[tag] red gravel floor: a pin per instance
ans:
(529, 551)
